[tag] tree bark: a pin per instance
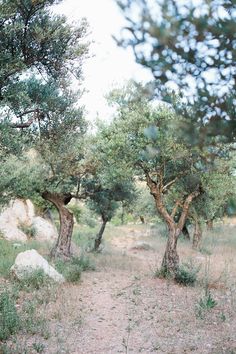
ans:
(142, 219)
(98, 238)
(62, 249)
(170, 262)
(185, 232)
(197, 236)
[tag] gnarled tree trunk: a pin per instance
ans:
(197, 236)
(63, 245)
(98, 238)
(170, 262)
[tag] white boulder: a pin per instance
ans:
(29, 261)
(21, 213)
(12, 233)
(44, 230)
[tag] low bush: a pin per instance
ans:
(84, 262)
(34, 280)
(205, 304)
(73, 268)
(187, 274)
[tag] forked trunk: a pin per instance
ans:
(197, 236)
(62, 248)
(170, 262)
(185, 232)
(142, 219)
(98, 238)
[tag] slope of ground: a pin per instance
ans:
(122, 308)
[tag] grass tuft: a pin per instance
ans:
(187, 274)
(9, 319)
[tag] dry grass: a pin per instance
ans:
(122, 308)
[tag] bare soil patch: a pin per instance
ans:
(122, 308)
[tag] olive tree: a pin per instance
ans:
(188, 46)
(144, 140)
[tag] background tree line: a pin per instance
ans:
(181, 146)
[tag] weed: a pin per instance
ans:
(72, 269)
(34, 280)
(9, 319)
(162, 273)
(38, 347)
(84, 262)
(31, 323)
(73, 273)
(205, 304)
(187, 274)
(222, 317)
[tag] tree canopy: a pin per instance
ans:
(192, 47)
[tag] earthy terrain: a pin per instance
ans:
(122, 308)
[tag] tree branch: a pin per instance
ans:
(186, 206)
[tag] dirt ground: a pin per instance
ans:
(122, 308)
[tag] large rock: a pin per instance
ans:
(44, 230)
(11, 232)
(21, 213)
(29, 261)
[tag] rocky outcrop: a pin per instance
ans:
(19, 217)
(30, 261)
(44, 229)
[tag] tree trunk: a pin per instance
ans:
(170, 262)
(197, 236)
(209, 224)
(142, 219)
(185, 232)
(62, 248)
(98, 238)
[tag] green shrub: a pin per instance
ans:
(73, 268)
(84, 262)
(9, 319)
(162, 273)
(38, 347)
(34, 280)
(205, 304)
(73, 273)
(187, 274)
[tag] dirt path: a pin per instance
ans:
(121, 308)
